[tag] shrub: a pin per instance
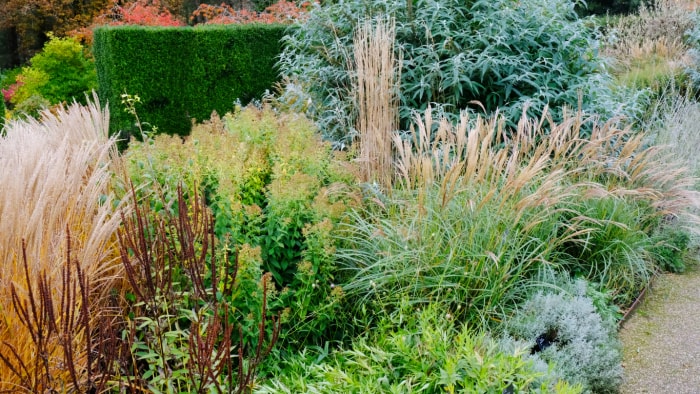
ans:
(277, 190)
(2, 115)
(9, 84)
(199, 70)
(417, 351)
(514, 56)
(565, 330)
(59, 73)
(283, 11)
(139, 12)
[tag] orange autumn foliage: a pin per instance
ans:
(139, 12)
(285, 12)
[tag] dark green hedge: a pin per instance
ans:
(2, 113)
(183, 73)
(602, 7)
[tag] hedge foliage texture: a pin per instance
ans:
(183, 73)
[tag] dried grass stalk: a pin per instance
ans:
(533, 166)
(376, 90)
(56, 176)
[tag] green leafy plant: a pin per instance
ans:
(61, 72)
(276, 193)
(417, 351)
(179, 326)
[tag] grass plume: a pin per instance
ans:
(56, 184)
(376, 90)
(479, 213)
(648, 46)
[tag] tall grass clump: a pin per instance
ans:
(627, 191)
(479, 216)
(648, 48)
(376, 89)
(467, 225)
(56, 204)
(673, 123)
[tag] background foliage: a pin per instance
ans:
(482, 55)
(61, 72)
(32, 19)
(198, 70)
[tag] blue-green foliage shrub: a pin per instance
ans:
(504, 54)
(183, 74)
(565, 330)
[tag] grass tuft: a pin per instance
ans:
(55, 181)
(376, 89)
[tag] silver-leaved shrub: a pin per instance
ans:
(565, 331)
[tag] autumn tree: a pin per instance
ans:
(32, 19)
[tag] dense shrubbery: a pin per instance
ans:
(491, 55)
(61, 72)
(275, 189)
(285, 12)
(492, 255)
(469, 229)
(199, 70)
(419, 350)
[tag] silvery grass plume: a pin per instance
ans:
(57, 212)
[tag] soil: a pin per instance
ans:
(661, 340)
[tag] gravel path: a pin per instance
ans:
(661, 341)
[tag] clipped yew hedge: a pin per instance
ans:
(2, 113)
(182, 73)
